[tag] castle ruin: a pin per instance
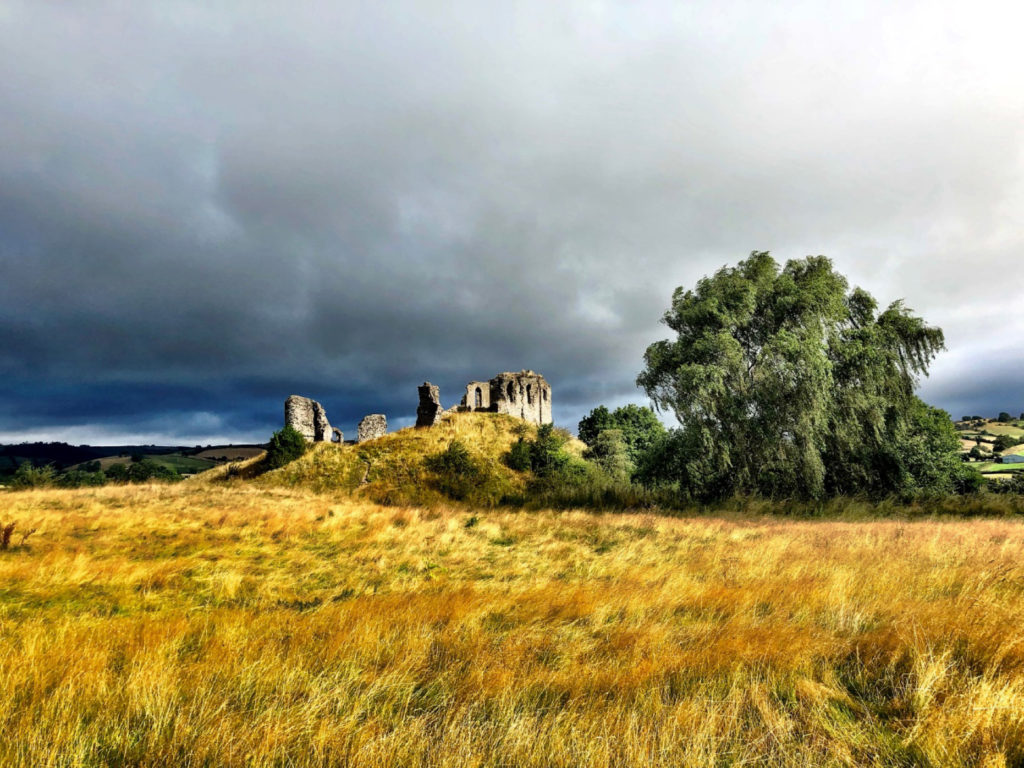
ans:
(525, 395)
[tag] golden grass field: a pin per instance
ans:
(208, 625)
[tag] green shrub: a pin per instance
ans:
(1014, 485)
(1002, 442)
(561, 480)
(146, 470)
(116, 473)
(78, 478)
(461, 476)
(544, 455)
(455, 470)
(31, 476)
(968, 480)
(519, 455)
(286, 445)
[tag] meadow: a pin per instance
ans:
(232, 624)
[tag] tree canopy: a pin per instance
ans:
(638, 425)
(610, 452)
(787, 383)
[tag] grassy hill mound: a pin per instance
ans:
(392, 469)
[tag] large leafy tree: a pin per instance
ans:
(785, 382)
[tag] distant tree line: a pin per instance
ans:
(89, 474)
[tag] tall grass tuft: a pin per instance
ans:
(6, 531)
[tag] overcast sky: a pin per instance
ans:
(206, 207)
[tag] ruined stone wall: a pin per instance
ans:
(478, 396)
(429, 410)
(525, 395)
(371, 427)
(308, 417)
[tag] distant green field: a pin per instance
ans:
(993, 428)
(1008, 428)
(182, 464)
(991, 466)
(231, 453)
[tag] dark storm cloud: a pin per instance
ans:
(205, 208)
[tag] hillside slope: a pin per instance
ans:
(391, 469)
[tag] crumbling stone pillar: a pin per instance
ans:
(371, 427)
(429, 411)
(308, 417)
(321, 426)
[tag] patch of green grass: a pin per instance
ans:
(1008, 428)
(176, 461)
(183, 464)
(992, 466)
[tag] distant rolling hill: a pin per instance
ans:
(183, 459)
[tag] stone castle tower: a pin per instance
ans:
(525, 395)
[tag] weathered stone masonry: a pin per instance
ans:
(525, 395)
(429, 411)
(371, 427)
(308, 417)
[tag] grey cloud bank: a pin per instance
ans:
(206, 209)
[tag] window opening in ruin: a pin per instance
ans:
(545, 395)
(529, 393)
(479, 399)
(510, 392)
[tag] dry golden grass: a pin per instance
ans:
(209, 625)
